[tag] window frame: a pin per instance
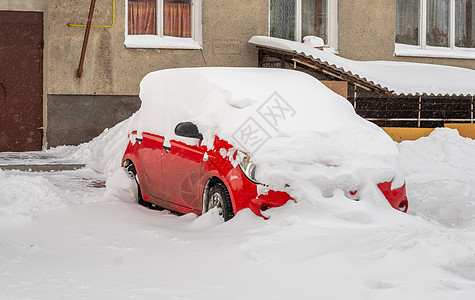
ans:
(159, 41)
(424, 50)
(332, 23)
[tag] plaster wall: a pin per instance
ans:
(24, 5)
(367, 32)
(112, 69)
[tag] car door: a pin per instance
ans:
(181, 170)
(149, 167)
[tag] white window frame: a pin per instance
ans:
(168, 42)
(424, 50)
(332, 26)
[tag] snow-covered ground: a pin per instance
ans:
(64, 236)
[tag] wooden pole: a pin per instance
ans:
(471, 111)
(86, 38)
(419, 114)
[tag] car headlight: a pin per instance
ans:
(248, 167)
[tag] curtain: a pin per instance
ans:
(407, 22)
(282, 19)
(177, 18)
(314, 18)
(464, 25)
(438, 14)
(142, 17)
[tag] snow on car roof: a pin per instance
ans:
(402, 78)
(287, 120)
(226, 97)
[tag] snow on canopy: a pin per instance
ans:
(402, 78)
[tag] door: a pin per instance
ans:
(181, 169)
(21, 81)
(149, 167)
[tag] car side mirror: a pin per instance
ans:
(188, 129)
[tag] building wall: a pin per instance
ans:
(112, 69)
(24, 5)
(367, 32)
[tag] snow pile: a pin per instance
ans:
(120, 187)
(306, 250)
(24, 195)
(400, 77)
(104, 153)
(311, 136)
(440, 172)
(29, 193)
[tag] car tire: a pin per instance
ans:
(218, 196)
(132, 172)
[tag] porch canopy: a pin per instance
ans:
(397, 78)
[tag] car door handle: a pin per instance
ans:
(166, 148)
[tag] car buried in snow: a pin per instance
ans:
(236, 138)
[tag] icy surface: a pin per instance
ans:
(64, 235)
(62, 238)
(107, 247)
(400, 77)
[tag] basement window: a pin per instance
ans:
(172, 24)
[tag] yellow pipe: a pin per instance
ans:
(98, 26)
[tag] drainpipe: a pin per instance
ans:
(86, 37)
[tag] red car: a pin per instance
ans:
(187, 168)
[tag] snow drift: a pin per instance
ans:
(310, 135)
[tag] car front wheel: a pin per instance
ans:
(132, 172)
(218, 197)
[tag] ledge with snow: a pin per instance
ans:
(401, 78)
(389, 93)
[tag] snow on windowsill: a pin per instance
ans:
(442, 52)
(330, 50)
(166, 42)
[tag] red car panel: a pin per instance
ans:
(149, 161)
(176, 177)
(181, 173)
(397, 197)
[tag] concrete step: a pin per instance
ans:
(39, 161)
(42, 167)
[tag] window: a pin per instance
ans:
(440, 28)
(164, 24)
(464, 23)
(295, 19)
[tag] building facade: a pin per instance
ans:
(130, 38)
